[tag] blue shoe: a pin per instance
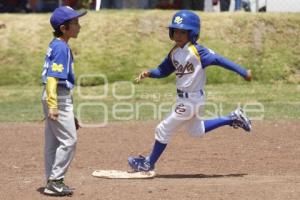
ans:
(140, 164)
(240, 120)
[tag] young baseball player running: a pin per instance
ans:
(58, 79)
(188, 60)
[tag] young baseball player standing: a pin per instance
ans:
(58, 79)
(188, 60)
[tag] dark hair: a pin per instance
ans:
(171, 32)
(57, 32)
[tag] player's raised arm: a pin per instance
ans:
(209, 58)
(230, 65)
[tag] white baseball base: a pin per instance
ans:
(118, 174)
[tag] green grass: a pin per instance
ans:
(278, 101)
(120, 44)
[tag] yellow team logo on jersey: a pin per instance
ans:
(57, 67)
(178, 20)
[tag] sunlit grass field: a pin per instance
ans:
(123, 101)
(121, 43)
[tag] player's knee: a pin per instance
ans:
(70, 143)
(74, 142)
(161, 135)
(197, 131)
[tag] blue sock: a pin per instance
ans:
(216, 123)
(157, 150)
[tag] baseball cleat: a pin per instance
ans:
(140, 164)
(57, 188)
(240, 120)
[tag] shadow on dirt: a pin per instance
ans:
(178, 176)
(40, 190)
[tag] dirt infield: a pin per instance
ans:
(225, 164)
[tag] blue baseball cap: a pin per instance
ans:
(63, 14)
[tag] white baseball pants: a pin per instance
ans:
(188, 111)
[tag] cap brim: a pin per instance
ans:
(55, 23)
(79, 13)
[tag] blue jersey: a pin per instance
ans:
(59, 64)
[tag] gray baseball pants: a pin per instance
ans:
(60, 136)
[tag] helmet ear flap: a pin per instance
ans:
(193, 37)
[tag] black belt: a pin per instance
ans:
(186, 94)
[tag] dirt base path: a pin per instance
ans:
(224, 164)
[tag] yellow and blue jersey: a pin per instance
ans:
(59, 64)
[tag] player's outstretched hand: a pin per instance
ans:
(53, 113)
(141, 76)
(249, 75)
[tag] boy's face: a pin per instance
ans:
(181, 37)
(73, 30)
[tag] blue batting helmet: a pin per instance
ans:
(186, 20)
